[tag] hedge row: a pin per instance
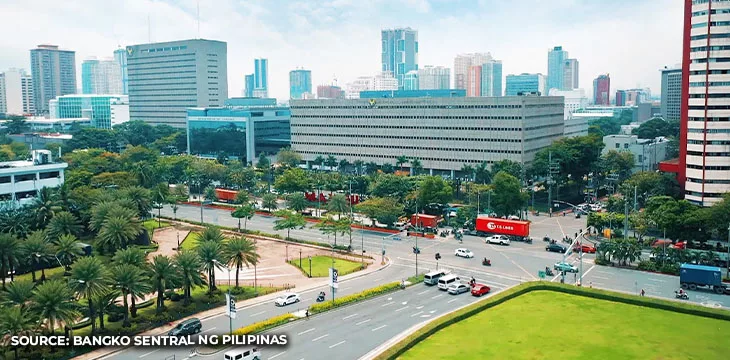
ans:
(147, 303)
(431, 328)
(349, 299)
(264, 325)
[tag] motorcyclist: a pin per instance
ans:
(473, 281)
(680, 292)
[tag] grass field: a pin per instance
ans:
(550, 325)
(321, 264)
(153, 224)
(190, 242)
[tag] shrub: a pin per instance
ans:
(600, 261)
(114, 317)
(363, 295)
(647, 265)
(264, 325)
(175, 297)
(147, 303)
(669, 268)
(81, 324)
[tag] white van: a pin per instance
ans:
(446, 281)
(433, 277)
(239, 354)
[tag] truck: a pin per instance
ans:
(692, 276)
(500, 226)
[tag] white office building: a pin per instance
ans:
(20, 181)
(382, 81)
(463, 62)
(101, 76)
(16, 92)
(647, 152)
(434, 77)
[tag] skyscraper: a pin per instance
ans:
(671, 93)
(434, 77)
(570, 75)
(620, 98)
(261, 78)
(492, 78)
(556, 68)
(399, 52)
(16, 92)
(120, 56)
(525, 83)
(167, 78)
(249, 79)
(300, 82)
(410, 81)
(463, 62)
(101, 77)
(474, 81)
(602, 90)
(54, 74)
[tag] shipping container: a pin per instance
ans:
(503, 226)
(423, 220)
(226, 195)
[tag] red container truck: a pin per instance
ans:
(426, 221)
(503, 226)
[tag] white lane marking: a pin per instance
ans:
(403, 308)
(452, 300)
(598, 277)
(437, 296)
(349, 316)
(339, 343)
(379, 327)
(419, 307)
(258, 313)
(386, 304)
(321, 337)
(277, 355)
(422, 292)
(657, 280)
(211, 329)
(149, 353)
(362, 322)
(344, 288)
(416, 314)
(305, 331)
(425, 316)
(589, 270)
(378, 279)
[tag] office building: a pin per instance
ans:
(376, 94)
(637, 96)
(463, 62)
(330, 92)
(556, 68)
(574, 100)
(434, 77)
(399, 52)
(248, 91)
(16, 92)
(54, 74)
(120, 56)
(648, 153)
(167, 78)
(571, 78)
(525, 84)
(473, 129)
(381, 81)
(671, 93)
(261, 78)
(300, 83)
(104, 111)
(101, 77)
(410, 80)
(602, 90)
(620, 98)
(243, 129)
(491, 78)
(20, 181)
(474, 81)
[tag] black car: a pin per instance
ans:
(187, 327)
(556, 248)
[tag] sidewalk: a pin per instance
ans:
(105, 352)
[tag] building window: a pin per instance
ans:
(618, 146)
(24, 177)
(626, 146)
(4, 179)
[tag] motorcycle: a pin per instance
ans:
(549, 272)
(567, 240)
(528, 240)
(416, 250)
(546, 239)
(682, 296)
(487, 262)
(321, 296)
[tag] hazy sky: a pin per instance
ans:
(629, 39)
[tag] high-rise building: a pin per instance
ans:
(300, 83)
(330, 92)
(602, 90)
(16, 92)
(399, 52)
(474, 81)
(574, 100)
(101, 77)
(620, 98)
(120, 56)
(250, 85)
(570, 75)
(492, 78)
(462, 63)
(104, 111)
(167, 78)
(637, 96)
(410, 80)
(556, 68)
(671, 93)
(54, 74)
(261, 78)
(434, 78)
(525, 83)
(381, 81)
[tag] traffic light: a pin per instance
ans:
(438, 256)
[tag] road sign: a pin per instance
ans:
(231, 309)
(541, 274)
(333, 278)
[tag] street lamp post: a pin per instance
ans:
(178, 241)
(310, 266)
(300, 258)
(287, 252)
(230, 319)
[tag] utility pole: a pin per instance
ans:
(550, 184)
(635, 199)
(626, 218)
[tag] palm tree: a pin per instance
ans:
(371, 167)
(105, 210)
(133, 283)
(63, 223)
(239, 252)
(16, 221)
(160, 193)
(211, 233)
(141, 197)
(467, 170)
(330, 226)
(338, 204)
(243, 212)
(387, 168)
(18, 293)
(189, 265)
(288, 220)
(297, 202)
(68, 248)
(38, 252)
(8, 254)
(105, 301)
(54, 301)
(268, 201)
(89, 279)
(164, 275)
(44, 206)
(400, 161)
(319, 160)
(342, 166)
(118, 232)
(416, 166)
(211, 255)
(358, 164)
(242, 197)
(130, 256)
(17, 321)
(331, 161)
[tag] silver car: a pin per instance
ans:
(458, 288)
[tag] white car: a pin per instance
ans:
(250, 354)
(458, 288)
(497, 239)
(514, 217)
(286, 299)
(465, 253)
(596, 207)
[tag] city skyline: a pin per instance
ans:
(341, 38)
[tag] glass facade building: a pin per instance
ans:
(101, 77)
(120, 56)
(524, 83)
(399, 52)
(97, 108)
(54, 74)
(556, 68)
(300, 82)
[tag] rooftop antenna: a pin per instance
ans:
(198, 19)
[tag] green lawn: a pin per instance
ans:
(550, 325)
(52, 273)
(190, 242)
(152, 224)
(321, 264)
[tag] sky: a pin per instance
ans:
(340, 39)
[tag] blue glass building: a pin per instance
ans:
(248, 92)
(261, 78)
(525, 83)
(97, 108)
(399, 52)
(556, 68)
(300, 82)
(492, 78)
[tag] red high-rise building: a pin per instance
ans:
(330, 92)
(602, 90)
(474, 81)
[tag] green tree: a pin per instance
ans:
(510, 167)
(508, 197)
(330, 162)
(330, 226)
(243, 212)
(68, 248)
(210, 194)
(656, 127)
(189, 265)
(268, 201)
(292, 180)
(482, 175)
(133, 284)
(104, 302)
(288, 157)
(387, 168)
(45, 205)
(63, 223)
(358, 165)
(18, 293)
(338, 204)
(131, 256)
(17, 321)
(89, 279)
(319, 160)
(468, 171)
(163, 275)
(416, 166)
(288, 220)
(140, 196)
(343, 165)
(400, 161)
(242, 197)
(263, 161)
(243, 178)
(433, 190)
(371, 167)
(387, 185)
(619, 162)
(118, 233)
(240, 252)
(211, 255)
(384, 210)
(16, 125)
(101, 212)
(297, 202)
(55, 301)
(9, 254)
(211, 233)
(38, 252)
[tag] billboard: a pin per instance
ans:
(503, 226)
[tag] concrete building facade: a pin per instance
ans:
(671, 104)
(399, 52)
(462, 63)
(101, 77)
(104, 111)
(571, 75)
(525, 83)
(54, 74)
(20, 181)
(330, 92)
(443, 133)
(602, 90)
(16, 92)
(648, 153)
(574, 100)
(167, 78)
(434, 77)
